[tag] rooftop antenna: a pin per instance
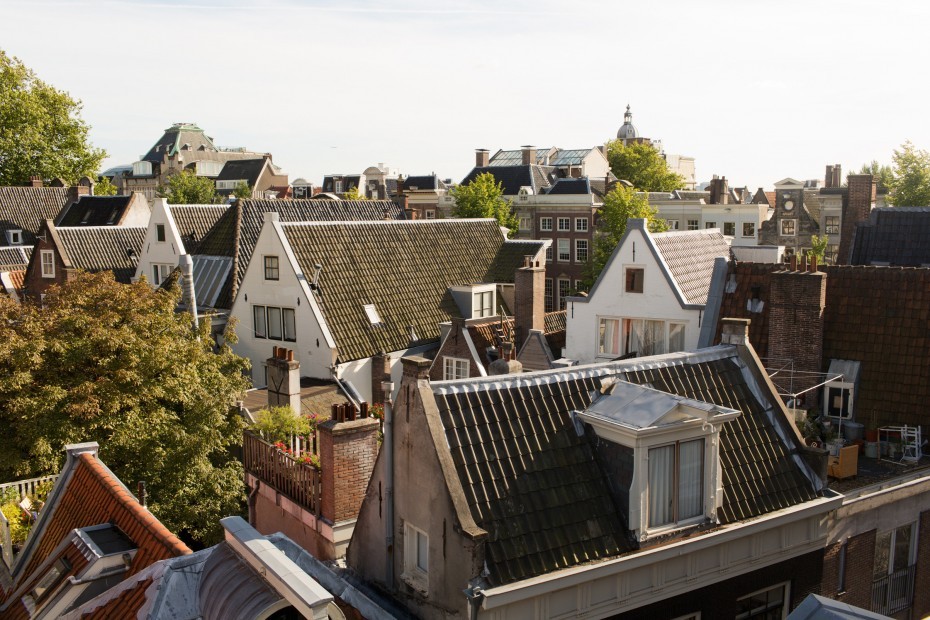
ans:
(315, 283)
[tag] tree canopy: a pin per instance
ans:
(643, 166)
(186, 188)
(116, 364)
(883, 174)
(620, 204)
(242, 190)
(104, 187)
(911, 184)
(484, 197)
(354, 194)
(41, 130)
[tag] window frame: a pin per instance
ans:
(545, 224)
(630, 281)
(831, 227)
(752, 232)
(693, 224)
(785, 600)
(548, 294)
(47, 267)
(525, 223)
(260, 327)
(710, 225)
(429, 214)
(455, 368)
(563, 294)
(160, 272)
(788, 223)
(620, 336)
(272, 265)
(673, 224)
(676, 521)
(160, 235)
(731, 226)
(550, 250)
(482, 304)
(580, 250)
(416, 548)
(265, 328)
(564, 224)
(581, 224)
(564, 251)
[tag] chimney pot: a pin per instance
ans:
(290, 355)
(794, 262)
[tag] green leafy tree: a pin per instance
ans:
(104, 187)
(819, 247)
(242, 190)
(186, 188)
(354, 194)
(116, 364)
(643, 166)
(620, 205)
(882, 173)
(911, 184)
(484, 197)
(41, 130)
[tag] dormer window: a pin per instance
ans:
(160, 232)
(47, 258)
(483, 304)
(14, 237)
(676, 483)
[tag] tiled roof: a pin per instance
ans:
(103, 248)
(512, 178)
(195, 221)
(14, 257)
(742, 280)
(483, 334)
(245, 169)
(535, 486)
(812, 203)
(175, 137)
(94, 211)
(690, 256)
(237, 230)
(26, 208)
(404, 269)
(896, 235)
(570, 186)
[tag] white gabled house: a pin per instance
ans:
(650, 297)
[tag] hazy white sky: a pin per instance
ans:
(756, 91)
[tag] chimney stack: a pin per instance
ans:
(482, 157)
(529, 155)
(796, 311)
(860, 198)
(348, 451)
(719, 191)
(529, 311)
(35, 181)
(734, 331)
(283, 379)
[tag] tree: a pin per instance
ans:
(484, 197)
(643, 166)
(911, 184)
(242, 190)
(116, 364)
(41, 130)
(186, 188)
(882, 173)
(620, 204)
(103, 187)
(819, 247)
(354, 194)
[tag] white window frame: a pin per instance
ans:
(14, 236)
(549, 294)
(563, 290)
(47, 263)
(786, 598)
(564, 224)
(693, 224)
(160, 272)
(545, 224)
(581, 224)
(672, 224)
(455, 368)
(614, 336)
(430, 214)
(416, 553)
(793, 224)
(581, 247)
(752, 231)
(831, 228)
(482, 304)
(286, 323)
(272, 267)
(526, 222)
(160, 234)
(676, 520)
(709, 225)
(626, 279)
(564, 253)
(732, 226)
(550, 251)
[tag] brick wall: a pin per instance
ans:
(348, 451)
(35, 285)
(796, 318)
(858, 205)
(380, 372)
(455, 345)
(529, 304)
(857, 586)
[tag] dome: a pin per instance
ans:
(627, 130)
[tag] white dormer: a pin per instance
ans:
(14, 236)
(674, 443)
(475, 301)
(142, 169)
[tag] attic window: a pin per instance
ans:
(372, 313)
(634, 279)
(14, 237)
(51, 579)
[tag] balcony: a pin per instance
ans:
(895, 592)
(299, 482)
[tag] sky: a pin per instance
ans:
(754, 91)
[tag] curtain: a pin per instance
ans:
(661, 466)
(690, 479)
(610, 337)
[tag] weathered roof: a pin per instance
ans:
(247, 170)
(429, 181)
(103, 248)
(512, 178)
(899, 236)
(94, 211)
(483, 334)
(405, 269)
(14, 257)
(195, 221)
(26, 208)
(177, 136)
(236, 231)
(570, 186)
(690, 256)
(534, 485)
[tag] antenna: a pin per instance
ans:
(315, 283)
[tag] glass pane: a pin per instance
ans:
(902, 548)
(290, 324)
(882, 553)
(274, 323)
(691, 479)
(258, 322)
(633, 336)
(676, 337)
(661, 464)
(422, 552)
(653, 338)
(610, 337)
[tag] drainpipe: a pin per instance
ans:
(388, 447)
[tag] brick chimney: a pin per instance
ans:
(415, 367)
(380, 372)
(719, 191)
(76, 191)
(35, 181)
(529, 155)
(348, 450)
(482, 157)
(734, 331)
(796, 311)
(529, 309)
(833, 176)
(860, 199)
(283, 379)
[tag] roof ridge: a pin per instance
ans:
(440, 222)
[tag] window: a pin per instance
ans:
(749, 229)
(692, 224)
(893, 570)
(483, 304)
(640, 336)
(672, 224)
(581, 250)
(831, 224)
(431, 214)
(565, 288)
(454, 368)
(548, 251)
(565, 253)
(160, 272)
(274, 323)
(729, 229)
(372, 313)
(676, 482)
(337, 186)
(545, 224)
(50, 580)
(565, 224)
(14, 237)
(788, 228)
(159, 232)
(416, 557)
(771, 603)
(710, 225)
(581, 224)
(48, 263)
(526, 223)
(271, 268)
(634, 279)
(550, 304)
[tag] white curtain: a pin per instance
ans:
(610, 336)
(690, 479)
(661, 482)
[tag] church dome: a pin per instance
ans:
(627, 130)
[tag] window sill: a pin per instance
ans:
(417, 580)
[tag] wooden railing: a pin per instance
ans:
(894, 592)
(298, 481)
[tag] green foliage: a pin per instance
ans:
(104, 187)
(186, 188)
(279, 423)
(354, 194)
(484, 197)
(818, 247)
(242, 190)
(882, 173)
(41, 131)
(620, 204)
(911, 184)
(643, 166)
(19, 524)
(115, 364)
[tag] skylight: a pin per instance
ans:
(372, 314)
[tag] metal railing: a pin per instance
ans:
(26, 487)
(298, 481)
(894, 592)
